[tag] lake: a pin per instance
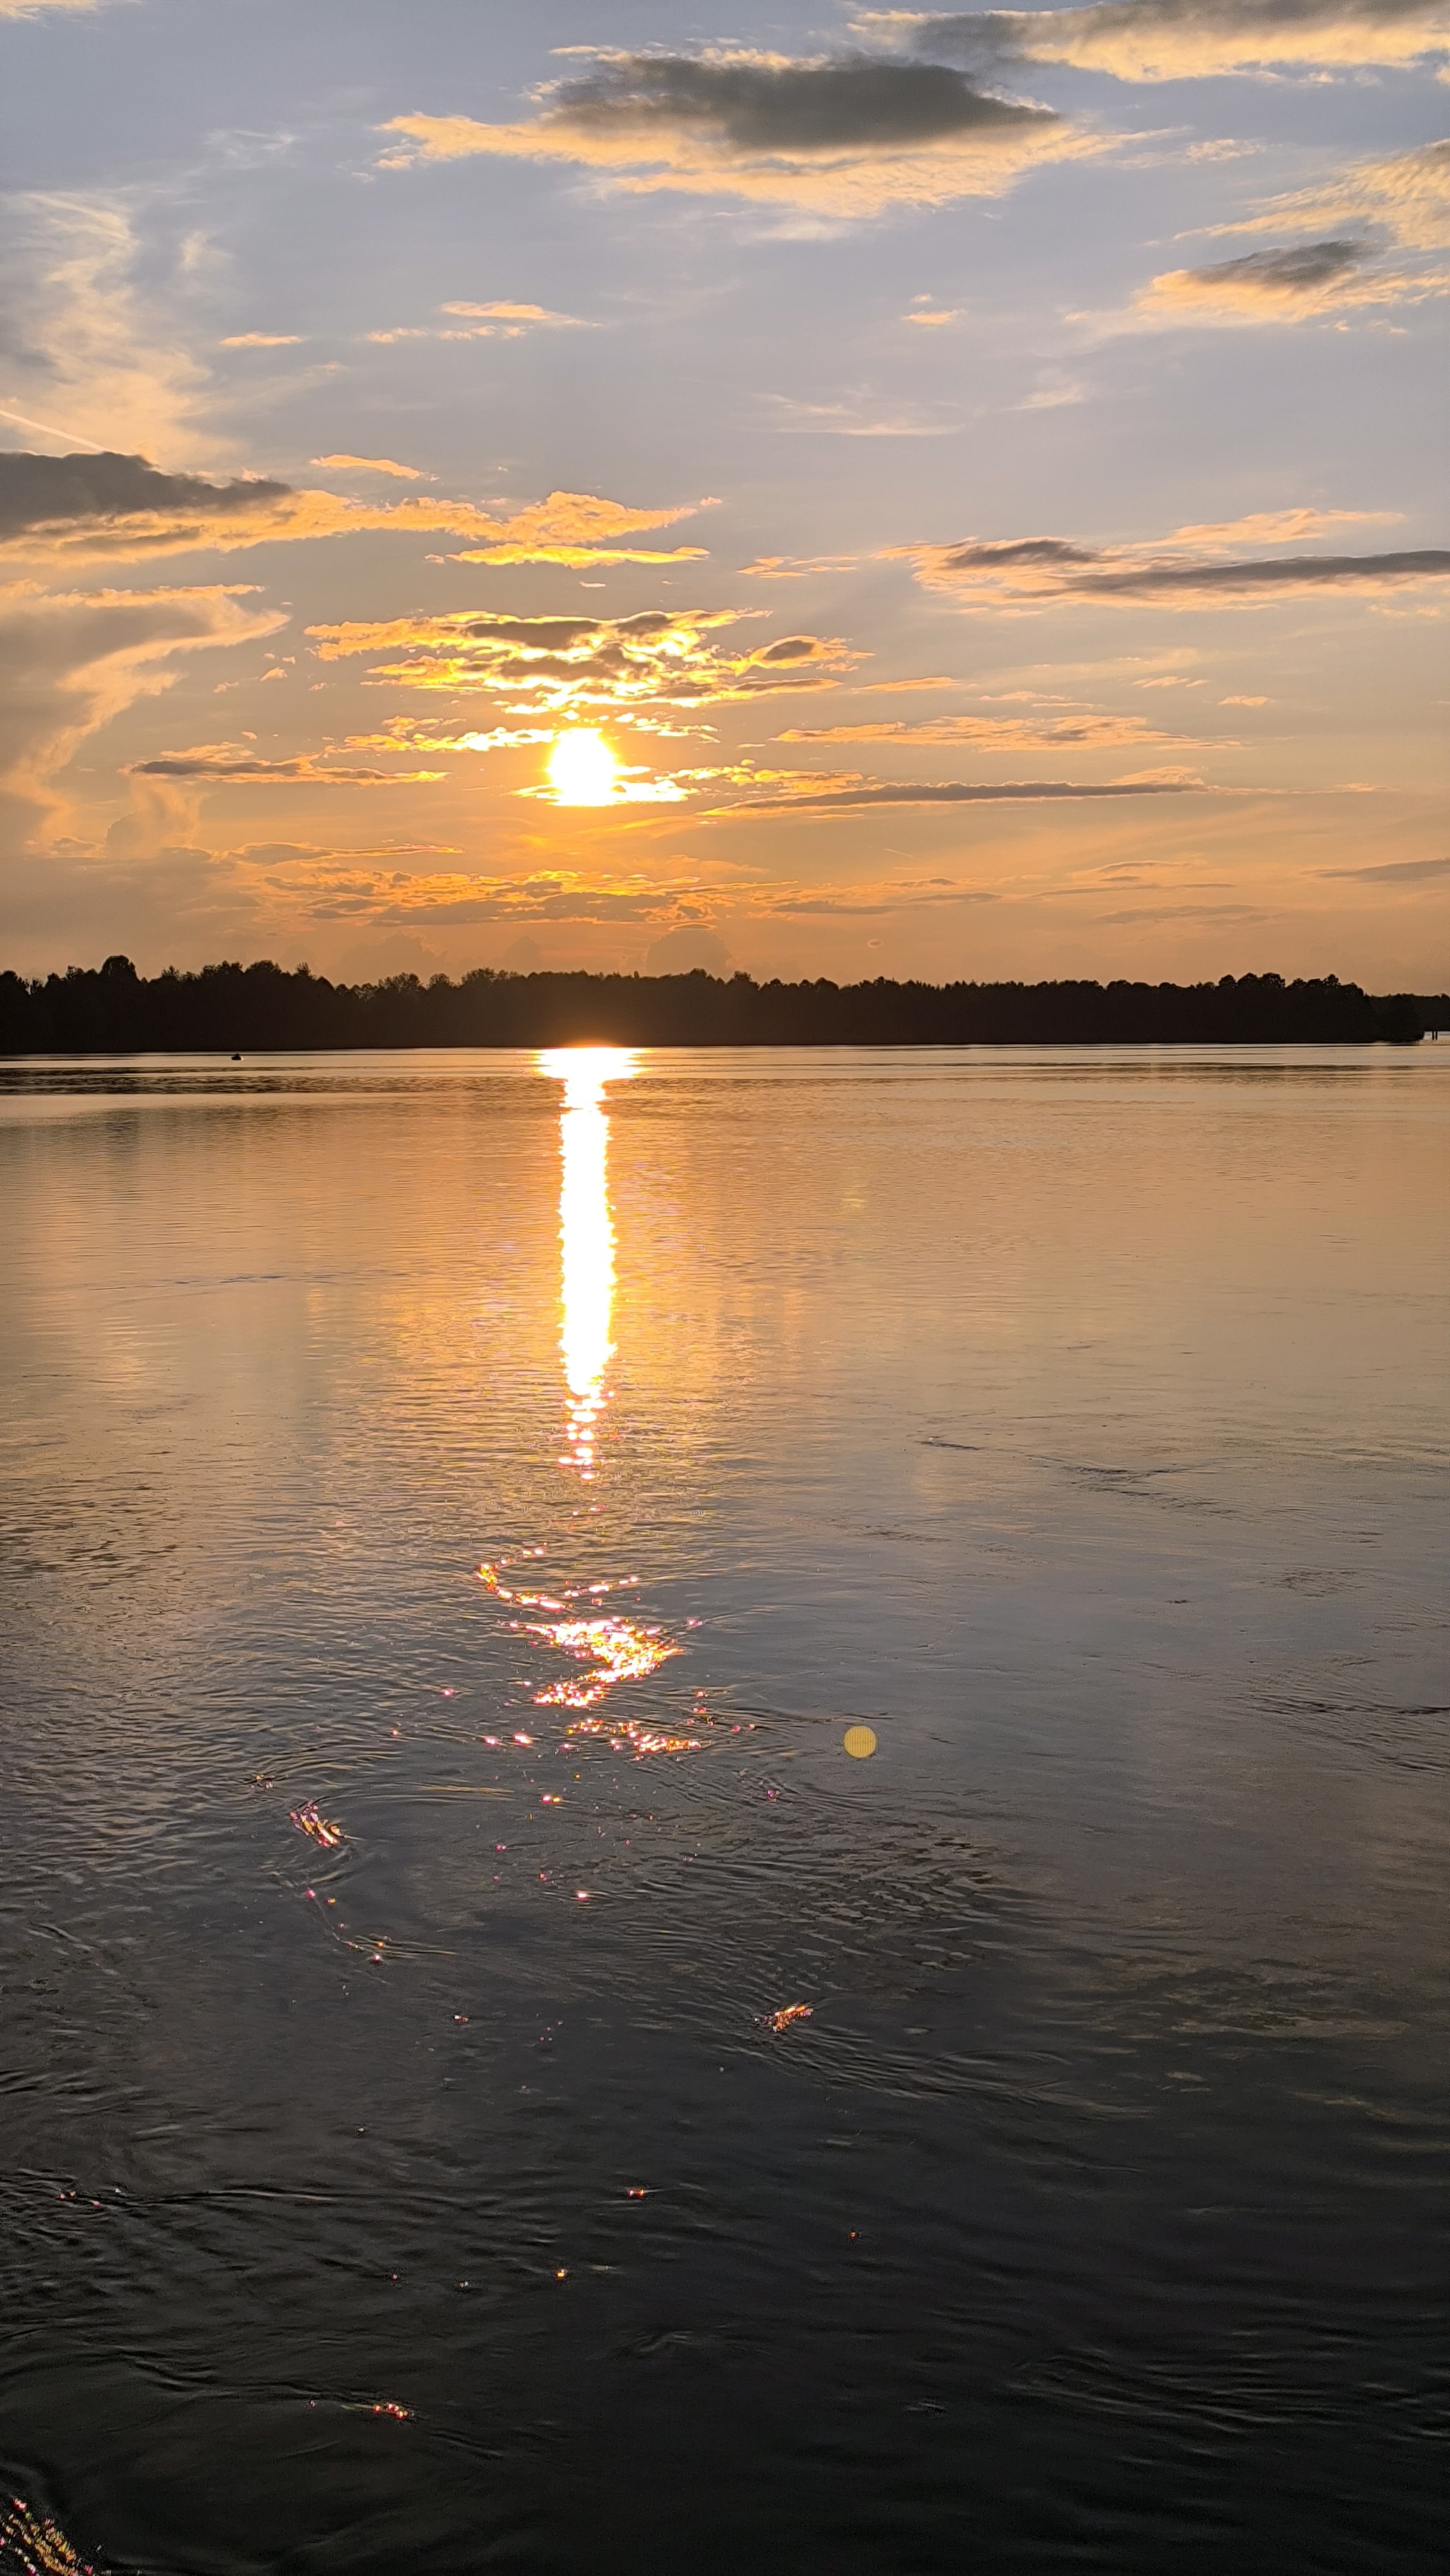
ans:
(491, 2082)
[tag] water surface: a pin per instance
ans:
(454, 1507)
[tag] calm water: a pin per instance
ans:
(455, 1507)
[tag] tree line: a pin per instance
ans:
(230, 1008)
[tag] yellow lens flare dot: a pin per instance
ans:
(860, 1742)
(583, 769)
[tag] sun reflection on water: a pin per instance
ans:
(612, 1649)
(586, 1237)
(579, 1619)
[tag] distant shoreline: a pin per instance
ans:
(263, 1008)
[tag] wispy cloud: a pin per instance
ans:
(1023, 791)
(90, 347)
(1055, 395)
(1371, 233)
(1394, 872)
(371, 465)
(1185, 570)
(41, 8)
(71, 661)
(1406, 196)
(797, 567)
(1083, 732)
(839, 135)
(1165, 40)
(517, 317)
(857, 419)
(224, 764)
(1294, 527)
(500, 321)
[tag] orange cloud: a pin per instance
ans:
(1166, 40)
(1286, 285)
(561, 666)
(1408, 196)
(840, 136)
(485, 322)
(121, 508)
(538, 313)
(371, 465)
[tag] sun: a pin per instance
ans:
(583, 769)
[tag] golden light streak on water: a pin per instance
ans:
(29, 2542)
(586, 1237)
(615, 1649)
(322, 1828)
(618, 1650)
(611, 1647)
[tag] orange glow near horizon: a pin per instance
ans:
(586, 1237)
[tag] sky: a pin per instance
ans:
(810, 491)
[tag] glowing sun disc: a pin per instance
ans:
(583, 769)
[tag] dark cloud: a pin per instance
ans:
(1028, 554)
(857, 103)
(1041, 570)
(1297, 573)
(791, 648)
(1395, 872)
(1305, 269)
(535, 634)
(40, 493)
(222, 766)
(845, 134)
(1030, 791)
(568, 903)
(853, 907)
(1278, 284)
(125, 508)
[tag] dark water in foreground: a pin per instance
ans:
(403, 2171)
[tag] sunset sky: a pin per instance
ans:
(975, 482)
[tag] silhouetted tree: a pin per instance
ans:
(263, 1007)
